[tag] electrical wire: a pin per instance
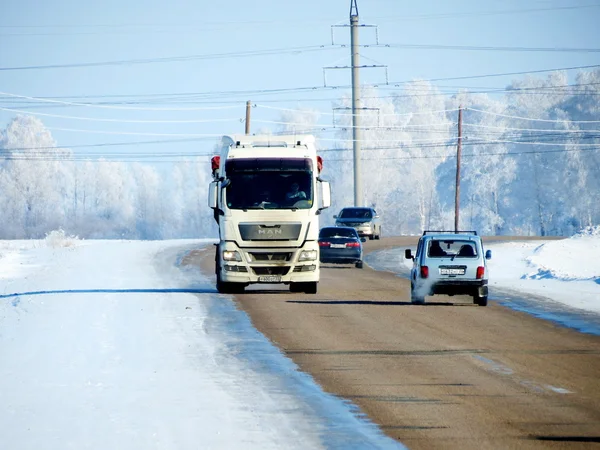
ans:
(488, 48)
(177, 157)
(95, 119)
(60, 102)
(531, 119)
(418, 113)
(127, 62)
(133, 133)
(466, 124)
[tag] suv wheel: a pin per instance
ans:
(481, 301)
(414, 298)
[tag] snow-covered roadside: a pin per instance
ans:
(110, 344)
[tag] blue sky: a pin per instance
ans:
(220, 37)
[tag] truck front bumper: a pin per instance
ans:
(268, 265)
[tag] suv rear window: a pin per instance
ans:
(453, 248)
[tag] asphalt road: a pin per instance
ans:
(445, 375)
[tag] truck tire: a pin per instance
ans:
(310, 287)
(295, 287)
(230, 288)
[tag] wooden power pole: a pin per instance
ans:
(458, 152)
(248, 107)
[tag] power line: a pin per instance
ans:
(455, 15)
(194, 95)
(531, 119)
(169, 59)
(174, 158)
(222, 94)
(489, 48)
(291, 21)
(95, 119)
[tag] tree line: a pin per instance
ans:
(530, 166)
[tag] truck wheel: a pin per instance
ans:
(230, 288)
(310, 287)
(295, 287)
(222, 288)
(359, 264)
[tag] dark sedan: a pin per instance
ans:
(341, 245)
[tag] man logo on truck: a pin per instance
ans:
(271, 231)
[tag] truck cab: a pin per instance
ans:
(267, 195)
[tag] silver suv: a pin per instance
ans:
(365, 220)
(451, 263)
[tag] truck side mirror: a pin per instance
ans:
(213, 193)
(325, 195)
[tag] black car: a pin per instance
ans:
(341, 245)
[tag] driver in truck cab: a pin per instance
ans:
(295, 193)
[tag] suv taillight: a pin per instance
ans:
(424, 271)
(480, 272)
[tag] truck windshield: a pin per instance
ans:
(269, 190)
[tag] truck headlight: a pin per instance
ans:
(308, 255)
(231, 255)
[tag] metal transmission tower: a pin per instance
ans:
(356, 134)
(356, 108)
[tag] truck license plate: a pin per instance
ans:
(269, 279)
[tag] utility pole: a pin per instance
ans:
(356, 134)
(248, 107)
(458, 152)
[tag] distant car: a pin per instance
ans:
(451, 263)
(341, 245)
(365, 220)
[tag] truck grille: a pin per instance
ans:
(270, 231)
(279, 270)
(278, 256)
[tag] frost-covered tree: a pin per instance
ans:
(487, 169)
(30, 179)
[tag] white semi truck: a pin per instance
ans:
(267, 195)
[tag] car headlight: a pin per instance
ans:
(231, 255)
(308, 255)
